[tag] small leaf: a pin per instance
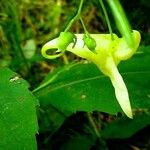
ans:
(124, 127)
(50, 119)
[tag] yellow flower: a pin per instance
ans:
(108, 54)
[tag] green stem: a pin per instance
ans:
(90, 118)
(96, 130)
(85, 30)
(107, 18)
(121, 21)
(65, 59)
(75, 17)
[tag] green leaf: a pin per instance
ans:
(69, 89)
(18, 121)
(125, 127)
(81, 87)
(50, 119)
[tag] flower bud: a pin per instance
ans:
(65, 39)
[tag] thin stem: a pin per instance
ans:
(107, 18)
(90, 118)
(85, 30)
(96, 130)
(65, 59)
(75, 17)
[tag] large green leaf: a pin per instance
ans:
(18, 122)
(81, 87)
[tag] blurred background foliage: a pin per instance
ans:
(25, 25)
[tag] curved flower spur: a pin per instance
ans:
(107, 55)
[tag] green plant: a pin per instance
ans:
(76, 105)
